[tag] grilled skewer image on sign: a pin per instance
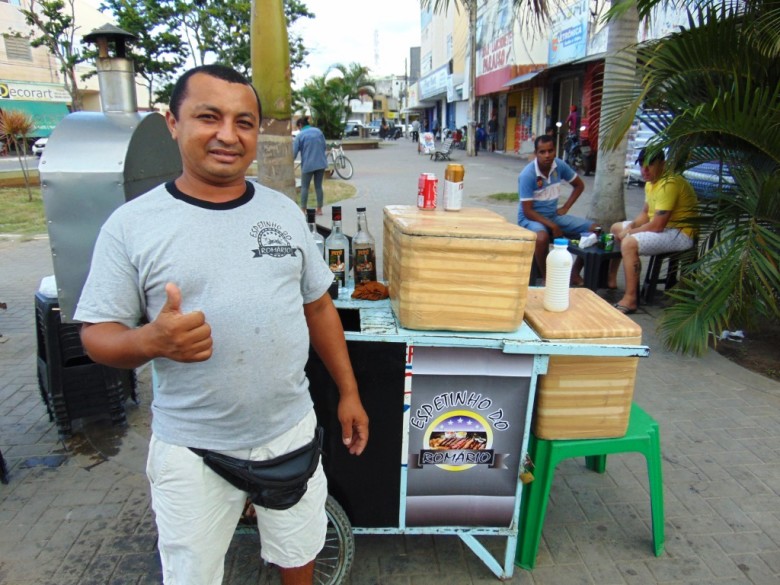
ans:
(466, 427)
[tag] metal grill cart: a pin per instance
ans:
(450, 419)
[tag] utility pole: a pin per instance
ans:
(471, 5)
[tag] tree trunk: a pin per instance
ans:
(271, 78)
(471, 137)
(608, 204)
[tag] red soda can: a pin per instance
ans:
(421, 189)
(429, 192)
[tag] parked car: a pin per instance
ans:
(373, 127)
(38, 146)
(353, 129)
(705, 178)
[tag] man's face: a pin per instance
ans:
(545, 153)
(216, 130)
(652, 172)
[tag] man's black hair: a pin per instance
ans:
(640, 160)
(542, 138)
(215, 70)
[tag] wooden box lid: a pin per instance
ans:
(588, 317)
(469, 222)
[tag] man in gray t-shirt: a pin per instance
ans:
(217, 281)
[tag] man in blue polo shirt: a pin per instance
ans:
(539, 188)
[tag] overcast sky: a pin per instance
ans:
(374, 33)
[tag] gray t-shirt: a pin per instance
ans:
(250, 265)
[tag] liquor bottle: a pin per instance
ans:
(318, 239)
(363, 250)
(337, 249)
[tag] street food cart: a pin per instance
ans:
(451, 407)
(450, 415)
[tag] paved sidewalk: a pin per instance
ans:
(77, 512)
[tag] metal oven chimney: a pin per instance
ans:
(116, 75)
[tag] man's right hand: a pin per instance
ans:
(182, 337)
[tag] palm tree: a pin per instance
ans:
(608, 204)
(353, 83)
(15, 129)
(271, 78)
(718, 80)
(322, 98)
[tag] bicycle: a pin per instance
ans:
(338, 162)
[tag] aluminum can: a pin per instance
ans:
(429, 193)
(420, 189)
(453, 187)
(609, 242)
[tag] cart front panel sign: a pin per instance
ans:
(467, 421)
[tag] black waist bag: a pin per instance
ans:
(277, 483)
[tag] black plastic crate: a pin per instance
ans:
(72, 385)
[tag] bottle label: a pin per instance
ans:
(336, 261)
(365, 265)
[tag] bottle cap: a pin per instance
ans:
(336, 212)
(310, 215)
(359, 209)
(561, 242)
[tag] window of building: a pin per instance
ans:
(525, 114)
(17, 48)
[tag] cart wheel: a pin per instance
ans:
(333, 564)
(334, 561)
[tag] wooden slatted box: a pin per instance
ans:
(583, 397)
(456, 271)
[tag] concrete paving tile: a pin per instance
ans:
(711, 524)
(134, 544)
(757, 570)
(713, 555)
(576, 574)
(677, 569)
(689, 496)
(101, 569)
(557, 546)
(635, 573)
(404, 564)
(146, 563)
(745, 542)
(730, 510)
(772, 560)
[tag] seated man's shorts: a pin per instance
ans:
(571, 225)
(197, 511)
(669, 240)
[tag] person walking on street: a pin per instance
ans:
(662, 226)
(539, 188)
(493, 132)
(310, 143)
(224, 292)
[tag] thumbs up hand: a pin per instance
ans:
(182, 337)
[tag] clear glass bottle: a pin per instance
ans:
(363, 250)
(318, 239)
(337, 249)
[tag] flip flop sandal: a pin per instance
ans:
(623, 309)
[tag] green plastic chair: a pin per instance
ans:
(642, 437)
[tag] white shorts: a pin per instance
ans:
(197, 511)
(669, 240)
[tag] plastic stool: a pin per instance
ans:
(653, 275)
(642, 437)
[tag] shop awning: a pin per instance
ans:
(523, 78)
(46, 115)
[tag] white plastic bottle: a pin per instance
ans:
(556, 290)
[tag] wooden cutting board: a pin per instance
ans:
(588, 317)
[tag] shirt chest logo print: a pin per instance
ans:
(271, 240)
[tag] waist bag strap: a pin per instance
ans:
(277, 483)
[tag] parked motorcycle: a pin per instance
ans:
(577, 152)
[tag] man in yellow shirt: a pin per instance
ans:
(662, 226)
